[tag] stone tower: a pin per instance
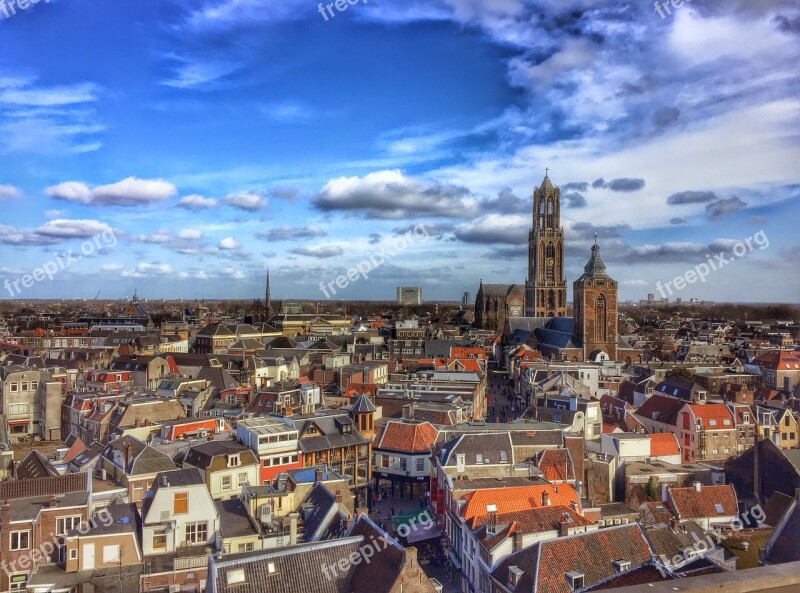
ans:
(546, 286)
(595, 302)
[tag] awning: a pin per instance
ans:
(423, 532)
(454, 559)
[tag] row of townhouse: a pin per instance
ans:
(717, 431)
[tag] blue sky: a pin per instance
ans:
(218, 138)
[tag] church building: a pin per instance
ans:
(592, 333)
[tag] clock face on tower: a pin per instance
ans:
(550, 261)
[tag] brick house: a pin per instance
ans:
(35, 516)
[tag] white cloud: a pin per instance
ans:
(71, 229)
(131, 191)
(9, 191)
(190, 234)
(249, 201)
(228, 243)
(148, 270)
(196, 202)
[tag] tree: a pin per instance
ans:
(651, 490)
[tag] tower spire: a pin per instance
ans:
(268, 301)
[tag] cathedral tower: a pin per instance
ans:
(546, 286)
(595, 296)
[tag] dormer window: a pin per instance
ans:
(574, 580)
(234, 460)
(514, 576)
(621, 565)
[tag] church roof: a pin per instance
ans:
(595, 269)
(497, 289)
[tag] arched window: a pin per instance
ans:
(601, 324)
(542, 217)
(550, 213)
(551, 299)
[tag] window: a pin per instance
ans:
(226, 482)
(159, 540)
(196, 533)
(138, 491)
(110, 554)
(246, 547)
(14, 387)
(18, 409)
(23, 386)
(18, 582)
(233, 461)
(66, 524)
(384, 461)
(180, 503)
(420, 465)
(242, 479)
(20, 540)
(403, 464)
(73, 554)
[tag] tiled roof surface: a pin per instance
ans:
(545, 564)
(691, 504)
(663, 443)
(518, 498)
(661, 409)
(556, 465)
(651, 571)
(11, 489)
(713, 416)
(408, 438)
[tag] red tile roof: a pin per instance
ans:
(664, 443)
(545, 564)
(556, 465)
(518, 498)
(779, 360)
(407, 438)
(713, 416)
(464, 352)
(688, 503)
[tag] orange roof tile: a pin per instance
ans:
(663, 443)
(713, 416)
(518, 498)
(691, 504)
(409, 438)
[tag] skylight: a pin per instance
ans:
(719, 508)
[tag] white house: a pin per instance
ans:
(178, 512)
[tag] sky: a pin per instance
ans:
(182, 148)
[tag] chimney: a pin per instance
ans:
(127, 454)
(545, 499)
(563, 528)
(53, 500)
(293, 528)
(698, 487)
(517, 541)
(318, 474)
(664, 492)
